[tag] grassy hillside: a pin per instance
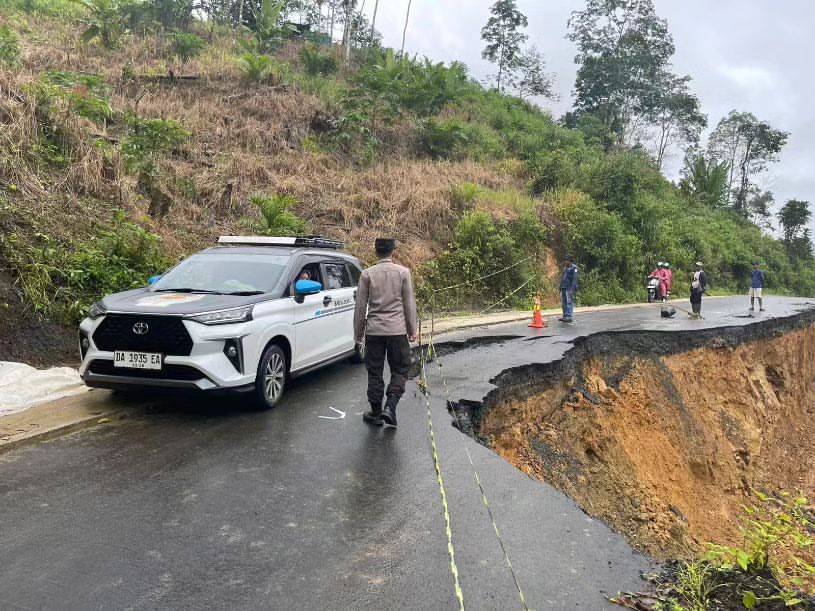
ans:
(113, 165)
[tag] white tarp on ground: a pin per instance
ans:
(22, 386)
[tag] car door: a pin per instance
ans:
(340, 310)
(312, 329)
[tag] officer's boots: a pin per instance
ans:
(374, 416)
(389, 412)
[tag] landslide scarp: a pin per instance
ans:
(663, 435)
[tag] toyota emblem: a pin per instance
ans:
(140, 328)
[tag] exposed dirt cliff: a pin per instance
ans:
(665, 443)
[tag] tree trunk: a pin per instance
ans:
(350, 5)
(240, 13)
(404, 32)
(741, 200)
(373, 23)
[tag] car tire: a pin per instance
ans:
(270, 382)
(359, 353)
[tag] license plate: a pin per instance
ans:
(137, 360)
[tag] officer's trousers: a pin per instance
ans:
(396, 348)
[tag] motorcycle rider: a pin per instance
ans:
(669, 278)
(657, 273)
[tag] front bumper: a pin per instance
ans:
(206, 367)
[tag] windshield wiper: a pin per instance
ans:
(245, 293)
(187, 290)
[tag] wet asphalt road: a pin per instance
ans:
(197, 503)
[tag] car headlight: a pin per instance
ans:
(223, 317)
(97, 309)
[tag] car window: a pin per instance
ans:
(310, 272)
(354, 272)
(336, 276)
(225, 273)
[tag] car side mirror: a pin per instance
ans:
(153, 280)
(307, 287)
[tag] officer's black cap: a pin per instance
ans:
(385, 245)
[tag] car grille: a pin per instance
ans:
(165, 334)
(168, 372)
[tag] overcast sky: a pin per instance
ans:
(749, 55)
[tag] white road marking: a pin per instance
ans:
(340, 417)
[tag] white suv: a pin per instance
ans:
(244, 315)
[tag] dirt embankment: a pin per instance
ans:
(665, 443)
(27, 338)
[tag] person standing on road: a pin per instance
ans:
(698, 287)
(569, 283)
(385, 319)
(756, 288)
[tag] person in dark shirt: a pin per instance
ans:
(756, 288)
(569, 284)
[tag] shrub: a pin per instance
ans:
(9, 47)
(262, 68)
(277, 217)
(148, 140)
(442, 139)
(455, 139)
(463, 196)
(186, 45)
(602, 244)
(317, 63)
(551, 170)
(64, 281)
(480, 247)
(63, 94)
(107, 20)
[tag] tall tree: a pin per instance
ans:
(794, 216)
(531, 75)
(504, 38)
(623, 51)
(748, 146)
(676, 115)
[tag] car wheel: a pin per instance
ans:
(359, 353)
(271, 378)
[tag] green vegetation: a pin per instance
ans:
(277, 215)
(63, 280)
(186, 45)
(487, 262)
(774, 566)
(9, 47)
(147, 140)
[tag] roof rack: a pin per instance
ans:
(309, 241)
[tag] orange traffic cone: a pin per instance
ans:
(537, 318)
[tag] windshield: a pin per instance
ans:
(229, 274)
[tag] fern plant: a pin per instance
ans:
(277, 218)
(254, 67)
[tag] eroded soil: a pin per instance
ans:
(666, 446)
